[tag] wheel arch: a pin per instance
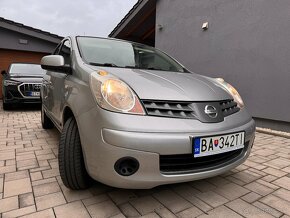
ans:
(67, 113)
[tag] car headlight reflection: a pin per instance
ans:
(232, 91)
(115, 95)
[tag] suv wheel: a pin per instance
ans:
(45, 121)
(71, 162)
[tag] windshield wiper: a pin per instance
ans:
(103, 64)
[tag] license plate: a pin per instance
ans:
(34, 94)
(206, 146)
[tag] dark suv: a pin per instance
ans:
(21, 84)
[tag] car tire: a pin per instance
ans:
(71, 162)
(45, 120)
(6, 106)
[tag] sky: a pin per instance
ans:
(68, 17)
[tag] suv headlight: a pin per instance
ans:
(232, 91)
(114, 95)
(11, 83)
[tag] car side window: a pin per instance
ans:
(65, 51)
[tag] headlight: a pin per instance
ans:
(234, 93)
(11, 83)
(114, 95)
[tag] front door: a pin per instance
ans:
(55, 84)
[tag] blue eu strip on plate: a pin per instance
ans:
(196, 146)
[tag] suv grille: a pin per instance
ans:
(169, 109)
(186, 110)
(26, 88)
(186, 163)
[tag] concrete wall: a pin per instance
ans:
(247, 43)
(10, 40)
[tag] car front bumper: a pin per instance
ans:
(145, 138)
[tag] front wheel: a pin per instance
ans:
(71, 162)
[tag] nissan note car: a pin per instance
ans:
(21, 84)
(130, 116)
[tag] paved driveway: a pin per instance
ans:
(30, 184)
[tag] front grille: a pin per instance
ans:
(229, 107)
(186, 163)
(169, 109)
(190, 110)
(27, 88)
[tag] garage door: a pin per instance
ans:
(9, 56)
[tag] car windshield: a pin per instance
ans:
(26, 69)
(114, 53)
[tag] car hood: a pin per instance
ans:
(26, 79)
(166, 85)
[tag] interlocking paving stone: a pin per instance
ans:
(282, 193)
(231, 191)
(246, 209)
(172, 201)
(43, 214)
(17, 187)
(50, 200)
(128, 210)
(251, 197)
(45, 189)
(151, 215)
(122, 196)
(30, 185)
(259, 188)
(95, 199)
(8, 204)
(277, 203)
(283, 182)
(203, 185)
(104, 209)
(71, 195)
(6, 155)
(267, 209)
(165, 213)
(278, 163)
(146, 204)
(36, 176)
(75, 209)
(19, 212)
(190, 212)
(220, 212)
(190, 194)
(26, 200)
(212, 198)
(16, 175)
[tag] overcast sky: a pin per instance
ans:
(65, 17)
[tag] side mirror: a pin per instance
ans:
(3, 72)
(55, 63)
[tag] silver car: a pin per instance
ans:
(130, 116)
